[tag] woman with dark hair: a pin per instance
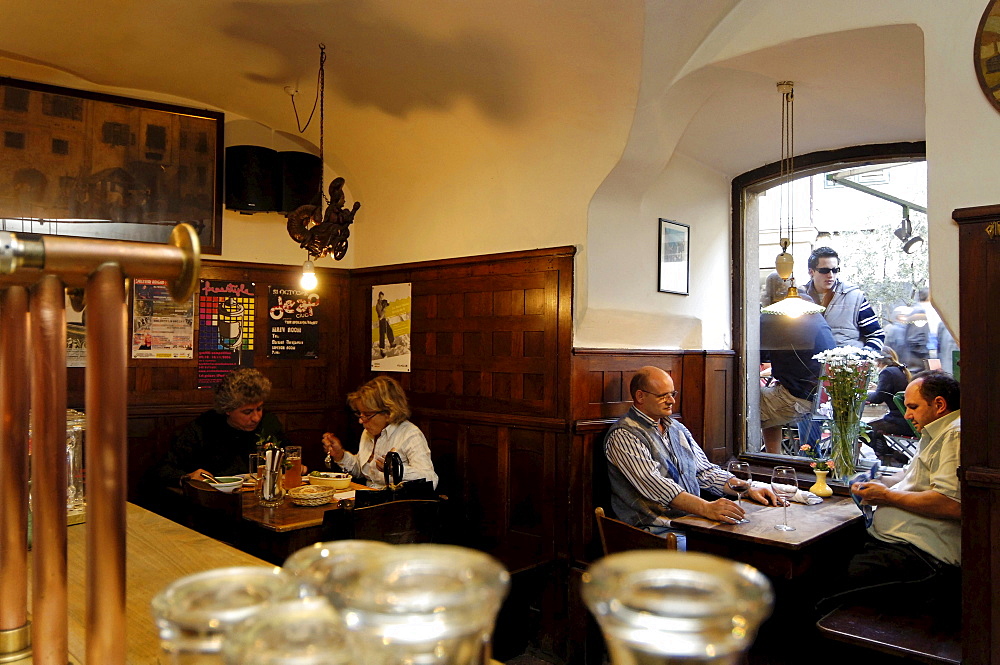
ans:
(893, 378)
(220, 440)
(381, 407)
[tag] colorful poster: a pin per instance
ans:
(292, 322)
(225, 328)
(391, 308)
(161, 328)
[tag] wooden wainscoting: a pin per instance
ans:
(489, 386)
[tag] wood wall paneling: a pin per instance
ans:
(979, 280)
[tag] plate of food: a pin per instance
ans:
(336, 480)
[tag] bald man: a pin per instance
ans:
(657, 471)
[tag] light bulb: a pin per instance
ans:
(308, 281)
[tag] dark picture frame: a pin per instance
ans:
(87, 164)
(675, 257)
(986, 53)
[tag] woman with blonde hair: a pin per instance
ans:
(893, 378)
(381, 407)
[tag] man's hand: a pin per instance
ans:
(872, 493)
(331, 444)
(722, 510)
(764, 494)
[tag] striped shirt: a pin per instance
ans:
(650, 477)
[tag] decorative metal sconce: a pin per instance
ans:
(321, 233)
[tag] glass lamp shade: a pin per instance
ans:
(793, 305)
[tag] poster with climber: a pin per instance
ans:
(391, 308)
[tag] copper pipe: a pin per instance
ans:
(14, 368)
(178, 262)
(48, 471)
(106, 393)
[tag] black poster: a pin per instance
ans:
(292, 322)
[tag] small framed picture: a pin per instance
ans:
(675, 252)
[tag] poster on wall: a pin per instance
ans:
(225, 328)
(293, 326)
(391, 307)
(161, 328)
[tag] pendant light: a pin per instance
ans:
(791, 304)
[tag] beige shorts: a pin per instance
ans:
(778, 406)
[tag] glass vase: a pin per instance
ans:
(665, 607)
(844, 433)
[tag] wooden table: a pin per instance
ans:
(290, 527)
(831, 528)
(158, 552)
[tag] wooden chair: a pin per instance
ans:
(617, 536)
(395, 522)
(912, 636)
(211, 512)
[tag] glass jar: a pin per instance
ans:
(666, 607)
(326, 569)
(76, 427)
(299, 632)
(426, 604)
(195, 613)
(270, 486)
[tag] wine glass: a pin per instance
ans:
(785, 485)
(739, 482)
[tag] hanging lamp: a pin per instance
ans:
(791, 304)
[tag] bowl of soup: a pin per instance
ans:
(338, 481)
(227, 484)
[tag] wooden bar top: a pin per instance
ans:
(811, 523)
(158, 552)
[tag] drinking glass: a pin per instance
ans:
(739, 483)
(424, 604)
(195, 613)
(298, 632)
(326, 569)
(658, 607)
(293, 477)
(785, 485)
(256, 466)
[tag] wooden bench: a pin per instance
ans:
(918, 637)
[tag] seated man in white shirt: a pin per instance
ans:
(913, 551)
(656, 468)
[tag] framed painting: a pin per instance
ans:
(86, 164)
(675, 254)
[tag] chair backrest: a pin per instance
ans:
(897, 399)
(211, 512)
(617, 536)
(395, 522)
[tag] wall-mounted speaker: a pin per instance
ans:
(253, 179)
(301, 179)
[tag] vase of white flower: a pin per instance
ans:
(846, 377)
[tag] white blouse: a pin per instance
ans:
(408, 441)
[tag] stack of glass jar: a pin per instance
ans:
(76, 428)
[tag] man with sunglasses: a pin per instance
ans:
(658, 471)
(848, 311)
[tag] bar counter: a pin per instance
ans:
(158, 551)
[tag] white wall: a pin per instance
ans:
(961, 135)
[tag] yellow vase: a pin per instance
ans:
(820, 488)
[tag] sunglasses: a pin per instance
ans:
(827, 271)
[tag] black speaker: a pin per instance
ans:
(253, 179)
(301, 179)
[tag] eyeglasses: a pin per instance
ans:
(663, 396)
(365, 416)
(827, 271)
